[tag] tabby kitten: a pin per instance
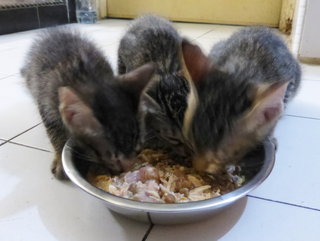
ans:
(242, 88)
(165, 103)
(79, 97)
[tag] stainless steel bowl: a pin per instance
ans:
(261, 161)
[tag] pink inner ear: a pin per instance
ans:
(272, 112)
(67, 96)
(68, 104)
(196, 62)
(76, 115)
(271, 106)
(69, 114)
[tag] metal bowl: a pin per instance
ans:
(258, 163)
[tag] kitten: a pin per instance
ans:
(259, 54)
(242, 89)
(165, 103)
(79, 97)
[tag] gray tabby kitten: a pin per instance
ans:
(242, 88)
(165, 104)
(79, 97)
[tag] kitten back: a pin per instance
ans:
(79, 97)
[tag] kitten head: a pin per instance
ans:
(164, 107)
(104, 119)
(232, 116)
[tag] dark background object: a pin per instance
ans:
(25, 15)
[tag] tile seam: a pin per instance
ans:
(284, 203)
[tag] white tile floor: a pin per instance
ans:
(35, 206)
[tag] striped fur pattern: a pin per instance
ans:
(249, 79)
(165, 103)
(79, 97)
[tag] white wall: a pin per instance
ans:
(310, 38)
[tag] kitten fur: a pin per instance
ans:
(79, 97)
(242, 88)
(259, 55)
(165, 103)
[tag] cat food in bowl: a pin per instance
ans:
(158, 179)
(148, 194)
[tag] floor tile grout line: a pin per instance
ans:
(149, 229)
(5, 142)
(285, 203)
(303, 117)
(20, 134)
(209, 31)
(32, 147)
(148, 232)
(309, 79)
(7, 76)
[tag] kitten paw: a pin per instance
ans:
(57, 170)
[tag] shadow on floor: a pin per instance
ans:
(210, 229)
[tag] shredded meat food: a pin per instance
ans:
(156, 178)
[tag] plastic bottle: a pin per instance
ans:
(86, 11)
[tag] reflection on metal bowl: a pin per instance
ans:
(257, 165)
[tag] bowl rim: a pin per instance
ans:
(212, 203)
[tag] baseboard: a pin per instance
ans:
(308, 60)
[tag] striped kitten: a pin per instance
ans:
(243, 87)
(165, 103)
(79, 97)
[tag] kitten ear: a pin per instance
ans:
(136, 80)
(76, 115)
(196, 61)
(148, 103)
(269, 104)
